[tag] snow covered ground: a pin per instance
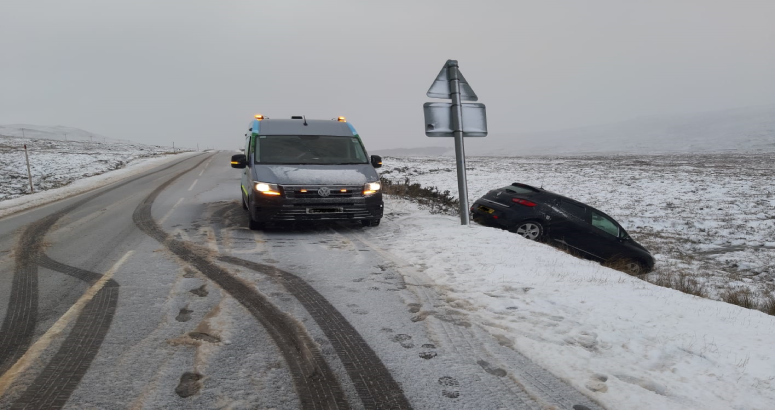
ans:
(61, 169)
(708, 219)
(56, 163)
(627, 343)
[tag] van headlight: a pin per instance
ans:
(371, 188)
(267, 188)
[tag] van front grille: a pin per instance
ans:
(315, 191)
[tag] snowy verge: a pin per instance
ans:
(12, 206)
(625, 342)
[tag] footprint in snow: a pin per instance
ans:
(189, 384)
(184, 315)
(451, 387)
(404, 340)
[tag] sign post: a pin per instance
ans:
(457, 120)
(29, 174)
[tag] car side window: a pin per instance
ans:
(604, 223)
(573, 209)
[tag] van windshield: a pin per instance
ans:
(309, 149)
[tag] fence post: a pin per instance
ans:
(29, 174)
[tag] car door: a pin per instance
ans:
(604, 236)
(567, 224)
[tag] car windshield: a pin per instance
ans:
(309, 149)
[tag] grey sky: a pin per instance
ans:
(196, 71)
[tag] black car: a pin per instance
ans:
(538, 214)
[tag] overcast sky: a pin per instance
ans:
(196, 71)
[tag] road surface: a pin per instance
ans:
(152, 293)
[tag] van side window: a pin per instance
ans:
(573, 209)
(603, 223)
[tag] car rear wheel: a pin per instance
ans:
(530, 229)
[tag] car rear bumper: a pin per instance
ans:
(491, 213)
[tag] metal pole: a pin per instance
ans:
(457, 128)
(29, 174)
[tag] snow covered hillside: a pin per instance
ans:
(57, 132)
(709, 220)
(55, 163)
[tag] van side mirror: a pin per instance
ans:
(238, 161)
(376, 161)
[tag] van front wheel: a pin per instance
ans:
(255, 226)
(252, 223)
(370, 222)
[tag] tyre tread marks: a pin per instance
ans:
(371, 378)
(315, 382)
(18, 327)
(54, 385)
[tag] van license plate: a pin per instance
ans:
(324, 210)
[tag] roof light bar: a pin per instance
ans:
(259, 117)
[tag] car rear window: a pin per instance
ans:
(519, 189)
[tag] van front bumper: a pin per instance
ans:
(276, 209)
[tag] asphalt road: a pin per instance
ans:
(152, 293)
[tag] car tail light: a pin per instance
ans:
(521, 201)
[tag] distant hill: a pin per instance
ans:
(415, 152)
(57, 132)
(750, 129)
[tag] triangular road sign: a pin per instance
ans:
(440, 87)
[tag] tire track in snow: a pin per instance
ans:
(18, 328)
(315, 382)
(372, 380)
(54, 385)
